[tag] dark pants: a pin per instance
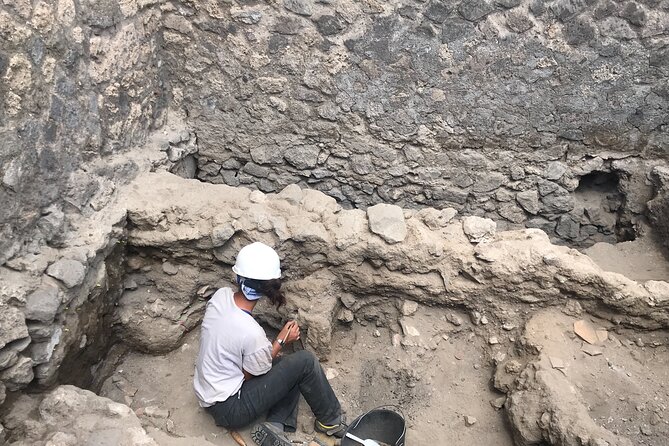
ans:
(277, 393)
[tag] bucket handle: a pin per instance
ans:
(395, 409)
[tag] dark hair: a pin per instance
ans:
(270, 288)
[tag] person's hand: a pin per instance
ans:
(290, 332)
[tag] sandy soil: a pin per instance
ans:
(625, 387)
(437, 377)
(640, 260)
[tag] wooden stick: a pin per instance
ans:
(238, 438)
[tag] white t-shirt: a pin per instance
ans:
(231, 341)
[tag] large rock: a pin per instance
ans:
(19, 375)
(68, 271)
(387, 221)
(479, 229)
(12, 325)
(71, 416)
(42, 304)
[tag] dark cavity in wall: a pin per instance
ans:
(604, 205)
(90, 364)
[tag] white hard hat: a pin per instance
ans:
(257, 261)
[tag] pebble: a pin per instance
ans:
(470, 421)
(498, 403)
(377, 334)
(493, 340)
(454, 319)
(170, 269)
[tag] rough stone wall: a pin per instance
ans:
(341, 264)
(79, 81)
(495, 108)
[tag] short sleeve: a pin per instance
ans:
(257, 356)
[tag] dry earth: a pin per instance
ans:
(435, 381)
(440, 373)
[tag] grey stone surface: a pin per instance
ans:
(12, 325)
(70, 81)
(42, 304)
(387, 221)
(70, 272)
(18, 375)
(500, 105)
(529, 200)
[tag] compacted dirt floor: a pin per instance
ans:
(437, 378)
(437, 366)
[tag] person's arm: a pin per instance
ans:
(289, 333)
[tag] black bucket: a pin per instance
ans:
(381, 424)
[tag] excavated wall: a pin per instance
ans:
(81, 81)
(545, 114)
(143, 268)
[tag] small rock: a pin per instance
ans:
(458, 356)
(475, 317)
(170, 427)
(493, 340)
(396, 340)
(484, 320)
(508, 327)
(331, 373)
(470, 421)
(454, 319)
(257, 196)
(513, 366)
(130, 285)
(300, 7)
(345, 315)
(498, 357)
(498, 403)
(409, 307)
(170, 269)
(478, 229)
(646, 430)
(655, 419)
(409, 330)
(377, 334)
(156, 412)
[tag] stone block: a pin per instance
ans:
(42, 304)
(19, 375)
(478, 229)
(329, 25)
(387, 221)
(529, 200)
(301, 7)
(12, 325)
(567, 228)
(39, 331)
(68, 271)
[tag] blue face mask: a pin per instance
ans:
(249, 293)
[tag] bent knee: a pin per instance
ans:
(307, 359)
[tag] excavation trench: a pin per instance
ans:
(469, 330)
